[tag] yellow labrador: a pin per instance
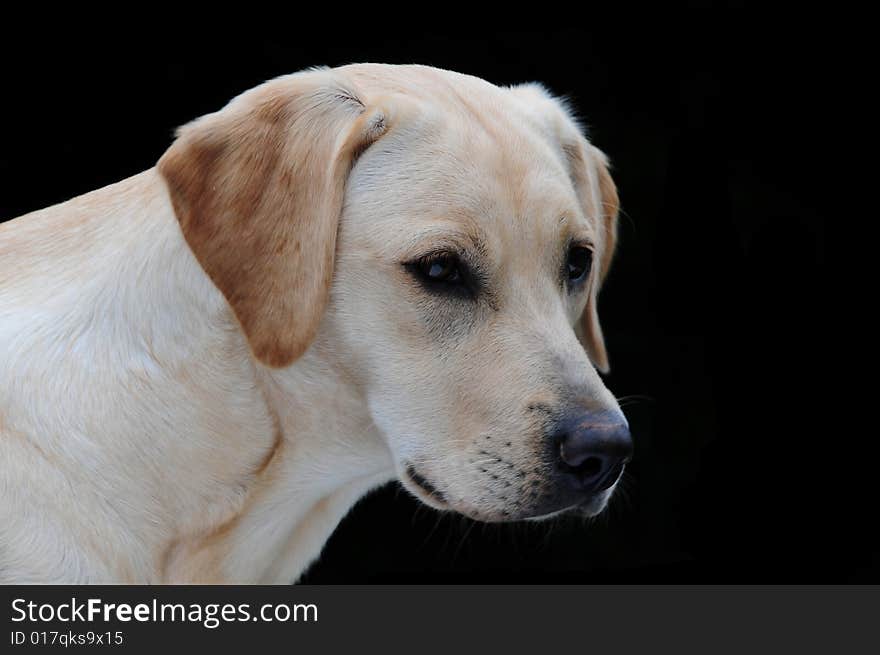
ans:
(343, 277)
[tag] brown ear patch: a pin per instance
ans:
(258, 189)
(607, 209)
(598, 197)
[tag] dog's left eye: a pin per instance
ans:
(578, 264)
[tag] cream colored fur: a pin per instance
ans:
(159, 424)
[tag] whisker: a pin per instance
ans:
(463, 539)
(625, 214)
(635, 398)
(440, 517)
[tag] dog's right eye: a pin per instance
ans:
(440, 272)
(440, 268)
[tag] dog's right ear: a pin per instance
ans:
(258, 190)
(607, 207)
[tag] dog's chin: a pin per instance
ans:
(587, 509)
(426, 491)
(590, 508)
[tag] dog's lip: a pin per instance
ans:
(557, 512)
(589, 506)
(424, 485)
(428, 493)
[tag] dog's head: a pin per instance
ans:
(449, 238)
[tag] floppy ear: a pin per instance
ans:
(258, 190)
(598, 193)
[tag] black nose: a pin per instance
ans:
(592, 450)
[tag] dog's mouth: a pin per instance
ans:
(425, 486)
(428, 493)
(590, 507)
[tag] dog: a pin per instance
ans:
(343, 277)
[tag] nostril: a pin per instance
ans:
(589, 468)
(572, 454)
(585, 467)
(592, 456)
(594, 473)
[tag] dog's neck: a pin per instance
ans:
(193, 462)
(324, 453)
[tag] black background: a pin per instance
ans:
(714, 310)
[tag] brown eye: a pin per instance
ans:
(443, 269)
(445, 274)
(578, 266)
